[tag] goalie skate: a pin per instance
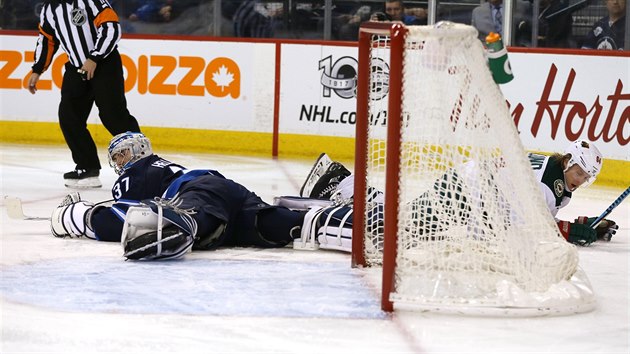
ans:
(327, 181)
(318, 170)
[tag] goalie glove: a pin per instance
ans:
(606, 229)
(72, 217)
(578, 234)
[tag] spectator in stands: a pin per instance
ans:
(555, 24)
(187, 17)
(152, 11)
(396, 11)
(19, 14)
(488, 17)
(348, 24)
(609, 31)
(252, 20)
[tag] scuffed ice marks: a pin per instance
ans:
(195, 287)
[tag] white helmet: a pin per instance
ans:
(138, 145)
(587, 156)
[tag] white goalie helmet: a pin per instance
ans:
(137, 144)
(587, 156)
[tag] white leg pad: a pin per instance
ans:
(307, 240)
(337, 237)
(70, 220)
(332, 241)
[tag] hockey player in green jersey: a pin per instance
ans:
(559, 175)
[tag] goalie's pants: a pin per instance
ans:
(107, 90)
(249, 220)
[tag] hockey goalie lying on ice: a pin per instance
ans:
(161, 210)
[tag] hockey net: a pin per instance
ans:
(463, 227)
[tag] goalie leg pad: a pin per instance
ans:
(308, 232)
(335, 232)
(147, 235)
(71, 219)
(326, 228)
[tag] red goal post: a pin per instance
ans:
(396, 33)
(457, 232)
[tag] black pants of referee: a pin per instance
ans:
(107, 90)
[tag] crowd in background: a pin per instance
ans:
(593, 24)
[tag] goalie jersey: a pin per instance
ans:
(147, 178)
(550, 175)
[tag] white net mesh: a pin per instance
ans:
(473, 228)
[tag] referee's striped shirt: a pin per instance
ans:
(84, 29)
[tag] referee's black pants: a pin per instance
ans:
(107, 89)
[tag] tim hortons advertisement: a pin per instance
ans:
(185, 84)
(553, 99)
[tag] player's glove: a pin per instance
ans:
(605, 229)
(579, 234)
(71, 217)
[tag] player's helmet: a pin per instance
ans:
(138, 145)
(587, 156)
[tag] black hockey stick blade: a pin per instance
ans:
(14, 210)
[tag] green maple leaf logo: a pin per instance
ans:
(222, 77)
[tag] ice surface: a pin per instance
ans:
(192, 286)
(78, 295)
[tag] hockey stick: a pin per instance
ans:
(14, 210)
(611, 207)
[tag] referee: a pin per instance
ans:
(88, 31)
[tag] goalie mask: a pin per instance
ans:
(587, 156)
(126, 148)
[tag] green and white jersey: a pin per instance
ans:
(550, 175)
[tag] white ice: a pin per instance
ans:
(77, 295)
